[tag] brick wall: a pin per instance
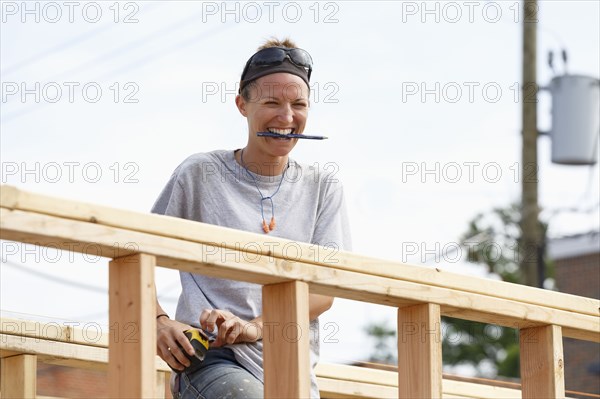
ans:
(580, 276)
(68, 382)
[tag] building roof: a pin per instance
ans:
(574, 245)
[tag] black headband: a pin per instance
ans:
(255, 72)
(294, 61)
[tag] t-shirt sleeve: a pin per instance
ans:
(171, 201)
(332, 227)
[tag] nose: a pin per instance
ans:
(286, 113)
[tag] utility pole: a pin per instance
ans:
(530, 227)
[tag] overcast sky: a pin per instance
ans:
(102, 100)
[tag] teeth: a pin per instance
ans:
(280, 131)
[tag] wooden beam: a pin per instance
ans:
(18, 377)
(202, 259)
(90, 333)
(340, 389)
(64, 353)
(542, 362)
(361, 379)
(454, 389)
(420, 352)
(162, 383)
(359, 374)
(286, 335)
(8, 353)
(132, 339)
(274, 247)
(335, 380)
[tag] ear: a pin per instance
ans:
(241, 104)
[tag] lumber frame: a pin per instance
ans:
(274, 247)
(420, 352)
(132, 320)
(421, 295)
(212, 261)
(18, 379)
(286, 335)
(335, 380)
(542, 362)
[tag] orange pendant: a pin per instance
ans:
(268, 227)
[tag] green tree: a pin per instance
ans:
(492, 239)
(385, 343)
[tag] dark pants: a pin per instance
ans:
(220, 376)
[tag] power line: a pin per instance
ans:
(27, 270)
(88, 287)
(145, 60)
(63, 46)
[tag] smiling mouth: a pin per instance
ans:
(282, 132)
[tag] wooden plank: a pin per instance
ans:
(18, 377)
(341, 389)
(88, 333)
(542, 362)
(419, 352)
(7, 353)
(375, 377)
(359, 374)
(13, 198)
(362, 382)
(214, 262)
(132, 341)
(162, 382)
(454, 389)
(286, 334)
(63, 353)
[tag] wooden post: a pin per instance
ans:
(286, 358)
(530, 226)
(542, 362)
(18, 379)
(162, 382)
(132, 318)
(419, 352)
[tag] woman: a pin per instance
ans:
(257, 189)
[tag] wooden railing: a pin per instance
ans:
(86, 347)
(137, 242)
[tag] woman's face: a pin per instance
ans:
(277, 103)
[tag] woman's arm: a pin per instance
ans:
(170, 339)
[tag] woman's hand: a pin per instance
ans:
(169, 341)
(231, 329)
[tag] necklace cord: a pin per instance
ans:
(271, 225)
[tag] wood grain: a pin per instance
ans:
(132, 323)
(286, 335)
(420, 352)
(542, 362)
(274, 247)
(218, 262)
(18, 377)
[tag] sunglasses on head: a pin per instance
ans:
(276, 55)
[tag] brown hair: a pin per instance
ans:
(274, 42)
(271, 42)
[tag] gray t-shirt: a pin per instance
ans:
(213, 188)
